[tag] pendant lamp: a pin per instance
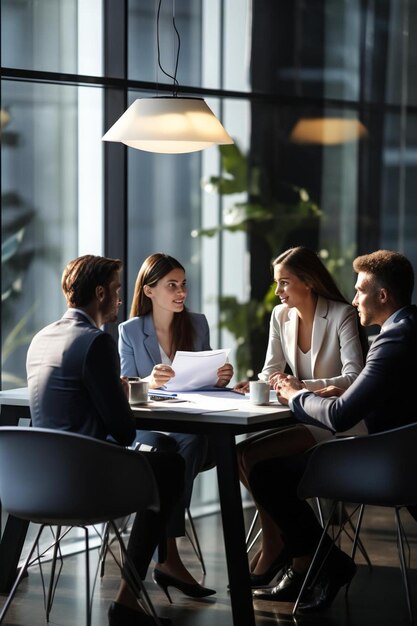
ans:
(168, 124)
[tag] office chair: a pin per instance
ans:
(378, 469)
(72, 480)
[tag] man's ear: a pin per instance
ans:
(383, 295)
(100, 293)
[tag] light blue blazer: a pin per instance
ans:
(138, 343)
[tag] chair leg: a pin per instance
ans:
(403, 564)
(315, 558)
(320, 512)
(54, 579)
(20, 576)
(345, 519)
(357, 543)
(132, 577)
(193, 538)
(106, 541)
(249, 544)
(51, 588)
(104, 549)
(254, 540)
(89, 600)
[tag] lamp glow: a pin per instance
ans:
(327, 131)
(170, 125)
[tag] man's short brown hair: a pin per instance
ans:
(391, 270)
(82, 275)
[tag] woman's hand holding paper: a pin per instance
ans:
(224, 374)
(160, 375)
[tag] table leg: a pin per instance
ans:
(11, 546)
(14, 534)
(234, 531)
(11, 414)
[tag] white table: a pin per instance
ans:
(223, 426)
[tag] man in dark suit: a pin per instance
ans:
(383, 297)
(74, 384)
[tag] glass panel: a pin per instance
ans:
(399, 187)
(164, 192)
(346, 50)
(52, 36)
(143, 52)
(205, 60)
(401, 54)
(44, 199)
(224, 257)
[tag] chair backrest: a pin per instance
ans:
(57, 477)
(379, 469)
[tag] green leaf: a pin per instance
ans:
(234, 177)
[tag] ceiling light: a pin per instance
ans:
(168, 124)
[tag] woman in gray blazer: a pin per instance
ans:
(159, 325)
(315, 334)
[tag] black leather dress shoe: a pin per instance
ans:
(338, 571)
(121, 615)
(286, 590)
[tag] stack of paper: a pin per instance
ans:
(196, 370)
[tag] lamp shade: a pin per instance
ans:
(169, 125)
(327, 130)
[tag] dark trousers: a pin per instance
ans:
(195, 451)
(274, 484)
(149, 527)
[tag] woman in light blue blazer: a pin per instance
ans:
(315, 334)
(159, 325)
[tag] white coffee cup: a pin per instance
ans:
(259, 392)
(138, 391)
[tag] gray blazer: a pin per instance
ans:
(139, 348)
(383, 395)
(74, 383)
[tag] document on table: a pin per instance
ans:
(196, 370)
(203, 402)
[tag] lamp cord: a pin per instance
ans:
(174, 77)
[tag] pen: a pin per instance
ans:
(161, 392)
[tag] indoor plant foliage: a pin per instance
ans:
(272, 218)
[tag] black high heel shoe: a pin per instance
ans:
(193, 590)
(262, 580)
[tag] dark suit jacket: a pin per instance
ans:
(74, 383)
(384, 394)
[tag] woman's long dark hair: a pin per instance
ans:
(308, 267)
(152, 270)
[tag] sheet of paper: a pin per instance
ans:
(204, 402)
(196, 370)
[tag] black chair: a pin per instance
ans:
(70, 480)
(377, 469)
